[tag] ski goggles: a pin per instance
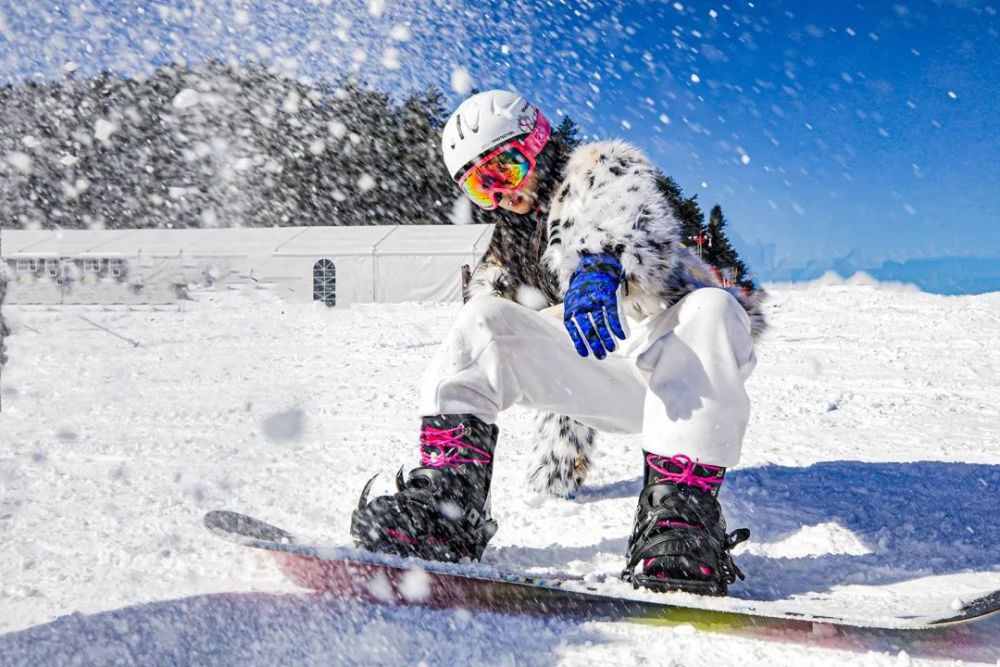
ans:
(505, 169)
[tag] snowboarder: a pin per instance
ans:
(644, 340)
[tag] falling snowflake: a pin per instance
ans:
(186, 99)
(401, 33)
(461, 80)
(20, 161)
(103, 129)
(390, 58)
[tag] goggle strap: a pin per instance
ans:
(535, 142)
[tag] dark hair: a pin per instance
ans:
(549, 166)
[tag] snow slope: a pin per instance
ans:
(872, 459)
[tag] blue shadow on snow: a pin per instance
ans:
(262, 629)
(917, 519)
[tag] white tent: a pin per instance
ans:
(424, 263)
(16, 241)
(149, 245)
(350, 249)
(65, 243)
(339, 265)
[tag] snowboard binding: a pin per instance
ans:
(679, 542)
(441, 510)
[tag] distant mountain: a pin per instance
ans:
(945, 275)
(938, 275)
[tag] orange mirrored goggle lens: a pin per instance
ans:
(502, 172)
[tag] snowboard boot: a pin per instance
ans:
(679, 542)
(442, 510)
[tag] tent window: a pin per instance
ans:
(325, 282)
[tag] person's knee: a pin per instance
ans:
(710, 302)
(714, 307)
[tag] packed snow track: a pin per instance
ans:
(872, 463)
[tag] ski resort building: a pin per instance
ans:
(336, 265)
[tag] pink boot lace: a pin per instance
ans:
(443, 448)
(687, 471)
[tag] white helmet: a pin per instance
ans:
(483, 122)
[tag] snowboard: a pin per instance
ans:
(350, 573)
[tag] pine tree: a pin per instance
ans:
(419, 174)
(567, 135)
(686, 210)
(716, 248)
(722, 254)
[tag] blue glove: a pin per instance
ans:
(591, 304)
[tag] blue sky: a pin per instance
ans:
(827, 130)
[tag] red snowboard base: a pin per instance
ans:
(388, 584)
(349, 573)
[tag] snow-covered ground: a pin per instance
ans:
(872, 458)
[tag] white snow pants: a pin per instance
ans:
(677, 379)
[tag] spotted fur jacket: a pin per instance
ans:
(607, 202)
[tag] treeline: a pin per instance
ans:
(708, 238)
(221, 145)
